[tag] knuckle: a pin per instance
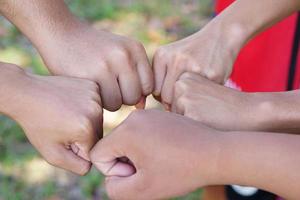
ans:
(182, 85)
(121, 53)
(147, 88)
(214, 75)
(54, 160)
(180, 61)
(85, 126)
(185, 98)
(160, 52)
(183, 101)
(180, 102)
(94, 109)
(94, 87)
(137, 45)
(178, 86)
(186, 75)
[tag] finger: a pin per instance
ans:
(145, 73)
(167, 91)
(93, 133)
(105, 155)
(110, 92)
(66, 159)
(124, 187)
(141, 104)
(178, 92)
(159, 70)
(120, 169)
(130, 87)
(180, 106)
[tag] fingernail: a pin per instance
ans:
(167, 106)
(141, 104)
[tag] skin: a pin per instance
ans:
(195, 97)
(73, 48)
(212, 51)
(62, 117)
(194, 154)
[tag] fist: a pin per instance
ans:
(214, 105)
(62, 118)
(203, 53)
(118, 64)
(146, 156)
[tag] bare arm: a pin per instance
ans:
(40, 21)
(244, 19)
(264, 160)
(12, 83)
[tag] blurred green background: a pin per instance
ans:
(23, 173)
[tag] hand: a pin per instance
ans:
(62, 118)
(218, 106)
(207, 53)
(155, 155)
(118, 64)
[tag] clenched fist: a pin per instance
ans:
(118, 64)
(218, 106)
(146, 156)
(208, 53)
(62, 117)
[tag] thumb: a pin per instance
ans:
(107, 159)
(125, 187)
(68, 160)
(115, 168)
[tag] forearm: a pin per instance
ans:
(13, 80)
(244, 19)
(39, 20)
(264, 160)
(276, 112)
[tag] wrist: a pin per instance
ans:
(13, 84)
(279, 111)
(208, 156)
(230, 34)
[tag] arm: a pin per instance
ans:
(73, 48)
(163, 148)
(227, 109)
(40, 21)
(244, 19)
(263, 160)
(212, 51)
(60, 116)
(12, 80)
